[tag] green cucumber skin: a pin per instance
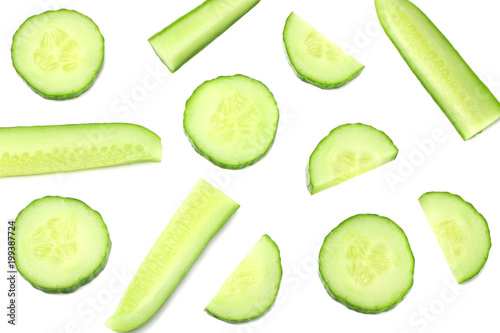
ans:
(84, 280)
(19, 132)
(270, 305)
(59, 97)
(217, 162)
(312, 82)
(435, 95)
(318, 84)
(353, 307)
(475, 274)
(308, 175)
(205, 43)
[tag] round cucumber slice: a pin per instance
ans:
(315, 59)
(231, 121)
(366, 263)
(462, 232)
(62, 244)
(348, 151)
(58, 53)
(253, 286)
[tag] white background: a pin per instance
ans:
(137, 201)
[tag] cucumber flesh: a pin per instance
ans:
(366, 263)
(231, 120)
(315, 59)
(46, 149)
(348, 151)
(463, 97)
(252, 288)
(58, 53)
(61, 244)
(191, 33)
(462, 232)
(198, 219)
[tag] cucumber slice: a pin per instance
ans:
(198, 219)
(58, 53)
(231, 120)
(466, 101)
(315, 59)
(462, 232)
(252, 288)
(348, 151)
(191, 33)
(46, 149)
(366, 263)
(61, 244)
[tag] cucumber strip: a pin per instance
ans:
(58, 53)
(191, 33)
(61, 244)
(45, 149)
(348, 151)
(366, 263)
(198, 219)
(253, 286)
(231, 121)
(463, 97)
(314, 58)
(462, 232)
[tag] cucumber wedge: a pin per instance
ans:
(315, 59)
(252, 288)
(348, 151)
(45, 149)
(197, 220)
(231, 121)
(191, 33)
(366, 263)
(462, 232)
(61, 244)
(58, 53)
(465, 100)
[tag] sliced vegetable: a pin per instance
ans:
(187, 36)
(462, 232)
(58, 53)
(252, 288)
(366, 263)
(61, 244)
(45, 149)
(463, 97)
(197, 220)
(348, 151)
(231, 121)
(315, 59)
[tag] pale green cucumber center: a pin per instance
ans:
(56, 241)
(318, 46)
(452, 238)
(347, 165)
(235, 117)
(57, 52)
(366, 260)
(69, 158)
